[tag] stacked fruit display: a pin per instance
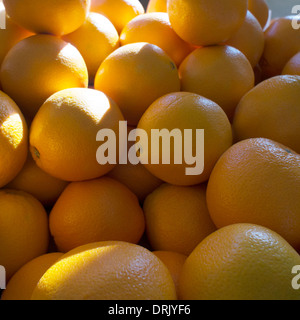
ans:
(78, 223)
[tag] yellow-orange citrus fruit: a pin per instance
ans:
(135, 75)
(63, 133)
(38, 66)
(179, 111)
(177, 218)
(271, 110)
(13, 139)
(157, 6)
(206, 22)
(96, 210)
(10, 36)
(24, 281)
(119, 12)
(249, 39)
(48, 16)
(260, 9)
(282, 42)
(38, 183)
(23, 229)
(220, 73)
(156, 28)
(174, 262)
(257, 181)
(240, 262)
(111, 270)
(292, 67)
(135, 176)
(95, 40)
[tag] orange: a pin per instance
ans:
(156, 28)
(95, 40)
(37, 67)
(38, 183)
(135, 75)
(96, 210)
(293, 65)
(177, 218)
(119, 12)
(257, 181)
(220, 73)
(249, 39)
(157, 6)
(13, 139)
(206, 22)
(240, 262)
(48, 16)
(174, 262)
(169, 116)
(271, 110)
(23, 229)
(10, 36)
(260, 9)
(63, 134)
(23, 282)
(111, 270)
(282, 42)
(135, 176)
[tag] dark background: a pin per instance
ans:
(144, 3)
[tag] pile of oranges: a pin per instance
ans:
(74, 229)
